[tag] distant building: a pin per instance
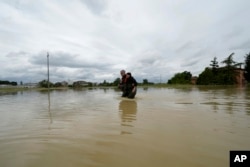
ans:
(30, 85)
(194, 80)
(64, 83)
(237, 74)
(240, 79)
(80, 84)
(61, 84)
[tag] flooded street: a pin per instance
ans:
(191, 127)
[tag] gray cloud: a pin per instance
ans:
(244, 45)
(187, 45)
(93, 40)
(63, 59)
(96, 6)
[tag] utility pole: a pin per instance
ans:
(48, 67)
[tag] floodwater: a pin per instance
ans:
(191, 127)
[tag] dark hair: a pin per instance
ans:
(129, 73)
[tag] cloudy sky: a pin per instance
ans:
(93, 40)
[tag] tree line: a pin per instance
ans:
(216, 75)
(78, 84)
(212, 75)
(8, 83)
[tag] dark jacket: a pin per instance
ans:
(131, 83)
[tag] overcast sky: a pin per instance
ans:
(93, 40)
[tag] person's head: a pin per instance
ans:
(122, 72)
(128, 75)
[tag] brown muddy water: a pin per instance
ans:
(191, 127)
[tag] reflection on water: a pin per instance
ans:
(128, 109)
(96, 127)
(50, 114)
(8, 93)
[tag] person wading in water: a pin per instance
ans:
(130, 86)
(123, 79)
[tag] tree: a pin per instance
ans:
(229, 62)
(8, 83)
(247, 67)
(44, 84)
(5, 82)
(144, 81)
(214, 65)
(116, 81)
(229, 73)
(58, 84)
(205, 77)
(105, 83)
(181, 78)
(220, 76)
(13, 83)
